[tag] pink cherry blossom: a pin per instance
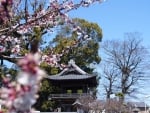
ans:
(20, 95)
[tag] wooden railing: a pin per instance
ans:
(66, 95)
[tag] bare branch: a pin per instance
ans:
(128, 58)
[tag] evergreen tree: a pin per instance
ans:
(84, 54)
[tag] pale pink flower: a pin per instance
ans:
(2, 49)
(16, 49)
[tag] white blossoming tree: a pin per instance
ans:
(23, 24)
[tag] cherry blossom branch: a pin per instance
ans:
(10, 59)
(54, 10)
(18, 96)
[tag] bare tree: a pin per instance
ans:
(115, 106)
(129, 59)
(91, 105)
(85, 102)
(97, 106)
(110, 76)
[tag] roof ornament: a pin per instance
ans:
(71, 62)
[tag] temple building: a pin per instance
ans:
(74, 83)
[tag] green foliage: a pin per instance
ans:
(24, 51)
(43, 103)
(91, 29)
(84, 53)
(120, 95)
(50, 70)
(46, 89)
(1, 75)
(37, 32)
(47, 105)
(13, 73)
(4, 71)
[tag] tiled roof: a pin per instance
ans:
(138, 104)
(70, 77)
(72, 72)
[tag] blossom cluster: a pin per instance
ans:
(11, 44)
(12, 38)
(20, 95)
(5, 10)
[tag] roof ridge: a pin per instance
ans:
(72, 63)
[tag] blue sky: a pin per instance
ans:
(117, 17)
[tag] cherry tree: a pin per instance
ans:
(23, 24)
